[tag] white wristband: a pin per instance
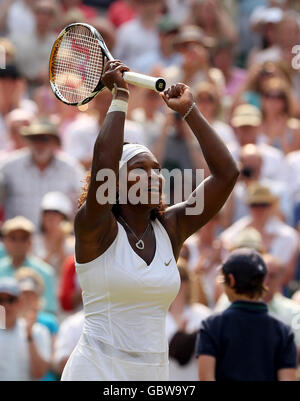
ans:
(118, 105)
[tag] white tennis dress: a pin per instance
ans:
(125, 306)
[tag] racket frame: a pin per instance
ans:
(105, 53)
(157, 84)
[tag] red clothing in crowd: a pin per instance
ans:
(67, 284)
(120, 12)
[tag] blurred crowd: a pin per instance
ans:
(242, 62)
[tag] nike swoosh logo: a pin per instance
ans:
(167, 264)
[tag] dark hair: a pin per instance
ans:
(252, 289)
(10, 71)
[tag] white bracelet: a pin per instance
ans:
(118, 105)
(189, 110)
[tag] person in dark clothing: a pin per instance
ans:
(245, 343)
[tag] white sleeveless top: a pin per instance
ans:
(125, 306)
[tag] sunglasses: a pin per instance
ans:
(254, 205)
(13, 238)
(275, 95)
(40, 138)
(9, 300)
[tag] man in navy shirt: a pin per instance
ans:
(244, 343)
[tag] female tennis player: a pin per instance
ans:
(126, 254)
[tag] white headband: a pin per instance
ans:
(130, 150)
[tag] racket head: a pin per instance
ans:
(76, 64)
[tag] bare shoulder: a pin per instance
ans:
(92, 240)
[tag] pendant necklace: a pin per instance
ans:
(140, 243)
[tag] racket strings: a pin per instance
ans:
(78, 65)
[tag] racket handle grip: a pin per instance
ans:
(145, 81)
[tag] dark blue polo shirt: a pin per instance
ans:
(248, 343)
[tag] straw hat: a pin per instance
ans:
(246, 114)
(259, 194)
(17, 223)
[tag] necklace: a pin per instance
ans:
(139, 244)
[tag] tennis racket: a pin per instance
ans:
(77, 63)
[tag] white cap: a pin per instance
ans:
(17, 223)
(57, 201)
(20, 115)
(29, 284)
(265, 15)
(10, 286)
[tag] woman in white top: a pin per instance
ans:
(55, 242)
(126, 253)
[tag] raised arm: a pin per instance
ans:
(224, 172)
(94, 218)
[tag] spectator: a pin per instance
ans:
(279, 239)
(247, 39)
(15, 120)
(165, 56)
(205, 255)
(246, 121)
(12, 89)
(17, 238)
(68, 336)
(292, 176)
(208, 100)
(17, 17)
(287, 36)
(87, 11)
(120, 12)
(193, 45)
(25, 346)
(178, 10)
(257, 77)
(55, 242)
(30, 173)
(212, 17)
(69, 292)
(276, 109)
(150, 116)
(281, 307)
(33, 48)
(31, 291)
(251, 162)
(183, 322)
(233, 345)
(133, 35)
(223, 59)
(264, 20)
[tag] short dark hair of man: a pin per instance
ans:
(249, 271)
